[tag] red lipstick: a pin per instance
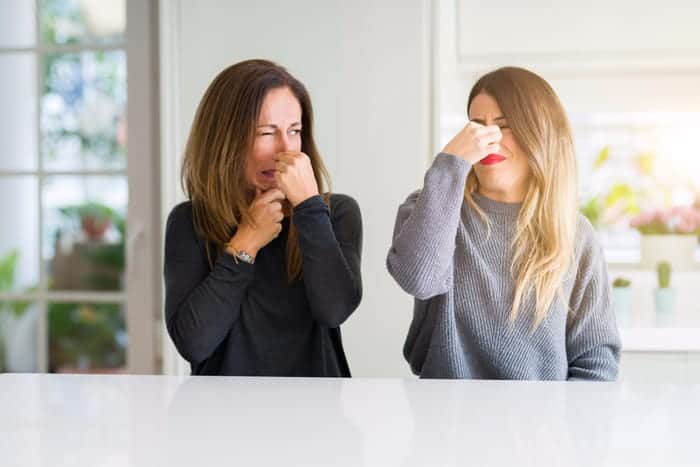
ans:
(492, 159)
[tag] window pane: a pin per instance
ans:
(637, 163)
(86, 338)
(17, 23)
(83, 119)
(82, 21)
(18, 337)
(18, 112)
(19, 261)
(84, 232)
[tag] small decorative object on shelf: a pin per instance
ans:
(664, 296)
(669, 235)
(95, 218)
(622, 296)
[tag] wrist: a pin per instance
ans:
(298, 200)
(242, 242)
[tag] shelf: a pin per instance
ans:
(660, 339)
(640, 331)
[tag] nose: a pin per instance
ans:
(285, 144)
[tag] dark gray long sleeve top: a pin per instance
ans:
(246, 319)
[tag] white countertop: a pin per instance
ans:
(61, 420)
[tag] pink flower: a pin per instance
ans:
(686, 226)
(663, 216)
(642, 219)
(678, 219)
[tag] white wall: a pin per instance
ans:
(367, 67)
(600, 56)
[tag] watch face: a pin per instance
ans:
(243, 256)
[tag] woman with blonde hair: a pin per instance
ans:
(262, 265)
(508, 279)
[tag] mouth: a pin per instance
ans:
(269, 174)
(492, 159)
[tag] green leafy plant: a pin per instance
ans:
(593, 211)
(86, 336)
(8, 264)
(112, 254)
(8, 268)
(663, 271)
(620, 200)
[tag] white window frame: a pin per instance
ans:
(141, 299)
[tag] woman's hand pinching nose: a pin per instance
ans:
(474, 142)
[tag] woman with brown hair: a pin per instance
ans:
(262, 265)
(509, 280)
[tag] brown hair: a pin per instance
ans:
(543, 246)
(221, 137)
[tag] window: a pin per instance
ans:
(64, 186)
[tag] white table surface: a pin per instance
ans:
(61, 420)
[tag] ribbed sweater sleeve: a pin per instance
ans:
(421, 255)
(592, 340)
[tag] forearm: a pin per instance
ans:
(199, 321)
(331, 267)
(424, 238)
(600, 364)
(592, 340)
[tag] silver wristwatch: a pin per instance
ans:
(243, 256)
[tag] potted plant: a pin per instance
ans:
(664, 295)
(86, 338)
(95, 218)
(669, 235)
(94, 261)
(622, 297)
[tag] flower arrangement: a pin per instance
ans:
(679, 220)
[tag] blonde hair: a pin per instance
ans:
(221, 137)
(544, 240)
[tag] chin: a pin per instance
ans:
(494, 181)
(265, 185)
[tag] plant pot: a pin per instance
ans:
(679, 250)
(622, 298)
(94, 227)
(664, 303)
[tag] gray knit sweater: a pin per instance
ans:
(460, 277)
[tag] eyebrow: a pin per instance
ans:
(483, 122)
(273, 126)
